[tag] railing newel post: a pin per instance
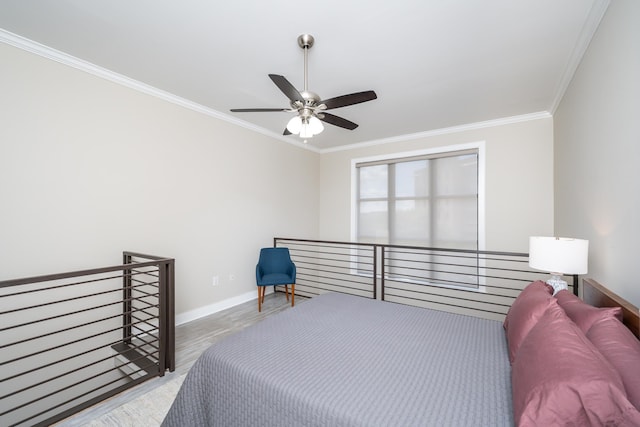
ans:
(169, 313)
(382, 271)
(127, 293)
(162, 318)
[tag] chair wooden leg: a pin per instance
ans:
(261, 292)
(293, 293)
(260, 298)
(286, 291)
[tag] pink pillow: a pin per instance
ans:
(583, 314)
(525, 312)
(559, 378)
(622, 349)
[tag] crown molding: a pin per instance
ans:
(444, 131)
(34, 47)
(589, 29)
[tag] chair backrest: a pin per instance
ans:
(274, 260)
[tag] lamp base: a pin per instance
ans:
(557, 283)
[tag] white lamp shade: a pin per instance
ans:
(306, 127)
(558, 254)
(305, 130)
(294, 125)
(316, 125)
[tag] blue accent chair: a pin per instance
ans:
(275, 268)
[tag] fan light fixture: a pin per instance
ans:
(306, 127)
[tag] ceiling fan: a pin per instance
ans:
(310, 109)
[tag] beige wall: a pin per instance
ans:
(597, 152)
(89, 168)
(519, 181)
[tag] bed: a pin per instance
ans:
(341, 360)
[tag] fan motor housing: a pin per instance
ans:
(311, 98)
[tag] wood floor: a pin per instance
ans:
(191, 340)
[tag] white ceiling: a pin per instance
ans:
(433, 64)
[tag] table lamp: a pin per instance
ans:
(558, 256)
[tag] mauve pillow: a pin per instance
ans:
(583, 314)
(525, 312)
(560, 379)
(622, 349)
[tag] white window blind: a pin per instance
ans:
(429, 200)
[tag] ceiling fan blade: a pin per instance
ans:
(352, 98)
(287, 88)
(256, 110)
(337, 121)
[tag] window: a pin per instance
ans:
(431, 200)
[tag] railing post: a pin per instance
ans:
(162, 318)
(375, 271)
(126, 300)
(169, 313)
(382, 255)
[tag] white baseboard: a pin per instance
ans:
(192, 315)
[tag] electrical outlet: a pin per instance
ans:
(215, 281)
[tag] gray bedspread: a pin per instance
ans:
(339, 360)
